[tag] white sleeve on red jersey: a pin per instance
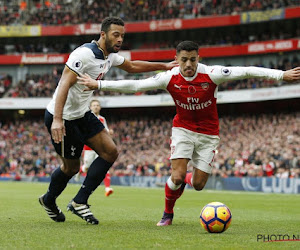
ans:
(219, 74)
(159, 81)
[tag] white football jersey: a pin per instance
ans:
(90, 59)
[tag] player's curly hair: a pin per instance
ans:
(187, 45)
(105, 26)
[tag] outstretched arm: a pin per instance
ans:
(221, 74)
(125, 86)
(144, 66)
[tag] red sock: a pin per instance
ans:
(107, 180)
(170, 198)
(188, 179)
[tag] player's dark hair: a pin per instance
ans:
(187, 45)
(105, 26)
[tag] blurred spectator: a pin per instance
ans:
(5, 83)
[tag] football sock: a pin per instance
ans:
(94, 177)
(172, 193)
(189, 178)
(107, 180)
(58, 183)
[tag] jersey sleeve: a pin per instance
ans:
(159, 81)
(219, 74)
(117, 59)
(78, 60)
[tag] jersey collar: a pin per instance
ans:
(98, 45)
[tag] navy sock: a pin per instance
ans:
(93, 179)
(58, 183)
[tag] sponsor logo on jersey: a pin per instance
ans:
(178, 87)
(77, 64)
(193, 105)
(225, 71)
(191, 89)
(205, 85)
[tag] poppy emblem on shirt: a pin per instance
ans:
(192, 90)
(205, 85)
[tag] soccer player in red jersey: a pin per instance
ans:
(90, 155)
(195, 132)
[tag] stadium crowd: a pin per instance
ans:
(35, 85)
(44, 85)
(66, 12)
(233, 36)
(264, 145)
(5, 83)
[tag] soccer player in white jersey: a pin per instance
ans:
(195, 132)
(89, 155)
(72, 125)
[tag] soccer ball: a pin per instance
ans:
(215, 217)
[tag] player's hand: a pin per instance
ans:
(292, 75)
(58, 130)
(171, 65)
(87, 81)
(111, 132)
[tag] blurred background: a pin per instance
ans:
(259, 119)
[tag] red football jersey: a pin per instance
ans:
(195, 103)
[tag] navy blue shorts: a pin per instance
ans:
(77, 133)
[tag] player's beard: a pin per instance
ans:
(110, 47)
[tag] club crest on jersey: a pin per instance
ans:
(205, 85)
(225, 71)
(77, 64)
(191, 89)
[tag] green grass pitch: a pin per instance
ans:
(128, 220)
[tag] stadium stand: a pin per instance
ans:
(64, 12)
(5, 83)
(264, 145)
(225, 36)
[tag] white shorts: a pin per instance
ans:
(199, 148)
(89, 157)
